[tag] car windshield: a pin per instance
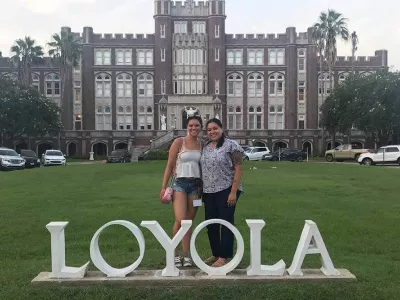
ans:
(8, 152)
(248, 150)
(54, 153)
(29, 153)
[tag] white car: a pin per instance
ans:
(53, 157)
(386, 154)
(10, 160)
(255, 153)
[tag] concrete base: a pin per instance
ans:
(193, 277)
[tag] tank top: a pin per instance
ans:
(188, 163)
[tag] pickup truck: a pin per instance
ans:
(344, 152)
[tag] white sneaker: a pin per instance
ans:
(187, 262)
(178, 261)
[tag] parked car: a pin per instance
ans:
(119, 156)
(31, 159)
(344, 152)
(10, 160)
(53, 158)
(386, 154)
(286, 154)
(255, 153)
(144, 155)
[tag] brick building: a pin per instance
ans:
(264, 88)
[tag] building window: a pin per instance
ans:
(199, 27)
(301, 124)
(145, 118)
(145, 57)
(103, 85)
(216, 54)
(255, 85)
(276, 56)
(145, 85)
(52, 85)
(162, 54)
(78, 122)
(234, 57)
(124, 85)
(216, 84)
(78, 96)
(190, 84)
(234, 117)
(276, 84)
(302, 90)
(36, 81)
(255, 117)
(102, 56)
(325, 89)
(235, 85)
(217, 29)
(275, 117)
(162, 30)
(124, 118)
(180, 27)
(163, 87)
(302, 66)
(342, 77)
(123, 57)
(255, 57)
(103, 118)
(195, 57)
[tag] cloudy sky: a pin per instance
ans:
(374, 21)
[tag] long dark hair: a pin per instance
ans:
(196, 118)
(219, 124)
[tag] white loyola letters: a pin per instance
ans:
(310, 233)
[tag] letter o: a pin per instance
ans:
(229, 266)
(98, 259)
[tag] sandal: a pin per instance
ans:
(219, 263)
(209, 261)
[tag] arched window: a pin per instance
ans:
(342, 77)
(255, 57)
(235, 85)
(124, 118)
(276, 117)
(235, 117)
(145, 85)
(35, 81)
(325, 89)
(124, 85)
(276, 84)
(255, 117)
(145, 119)
(255, 85)
(10, 76)
(103, 85)
(103, 118)
(52, 82)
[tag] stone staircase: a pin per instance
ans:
(164, 140)
(135, 152)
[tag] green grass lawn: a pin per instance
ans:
(357, 210)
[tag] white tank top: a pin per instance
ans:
(188, 163)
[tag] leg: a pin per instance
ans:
(190, 215)
(180, 207)
(211, 212)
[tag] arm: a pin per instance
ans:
(173, 152)
(237, 160)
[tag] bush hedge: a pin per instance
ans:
(157, 155)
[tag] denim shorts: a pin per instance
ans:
(186, 185)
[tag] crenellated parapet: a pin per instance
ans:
(188, 8)
(379, 60)
(89, 37)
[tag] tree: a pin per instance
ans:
(66, 50)
(25, 53)
(24, 111)
(354, 48)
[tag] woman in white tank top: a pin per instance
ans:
(184, 167)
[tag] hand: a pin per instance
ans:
(232, 199)
(162, 192)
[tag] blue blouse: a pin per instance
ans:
(217, 166)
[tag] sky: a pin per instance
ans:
(374, 21)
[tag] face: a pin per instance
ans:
(214, 132)
(194, 128)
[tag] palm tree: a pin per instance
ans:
(354, 48)
(66, 50)
(332, 25)
(25, 53)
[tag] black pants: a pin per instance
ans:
(220, 237)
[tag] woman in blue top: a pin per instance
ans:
(221, 165)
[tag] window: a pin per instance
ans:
(195, 57)
(255, 85)
(102, 56)
(301, 90)
(234, 117)
(180, 27)
(52, 85)
(325, 89)
(145, 118)
(216, 86)
(342, 77)
(103, 85)
(162, 30)
(123, 57)
(234, 57)
(301, 124)
(190, 84)
(199, 27)
(276, 56)
(217, 31)
(145, 85)
(163, 87)
(301, 60)
(276, 83)
(103, 118)
(35, 81)
(255, 57)
(124, 85)
(78, 122)
(124, 118)
(302, 66)
(216, 54)
(255, 117)
(162, 54)
(145, 57)
(275, 117)
(235, 85)
(78, 95)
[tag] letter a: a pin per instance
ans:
(311, 234)
(58, 268)
(255, 267)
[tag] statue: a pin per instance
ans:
(217, 116)
(163, 123)
(190, 112)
